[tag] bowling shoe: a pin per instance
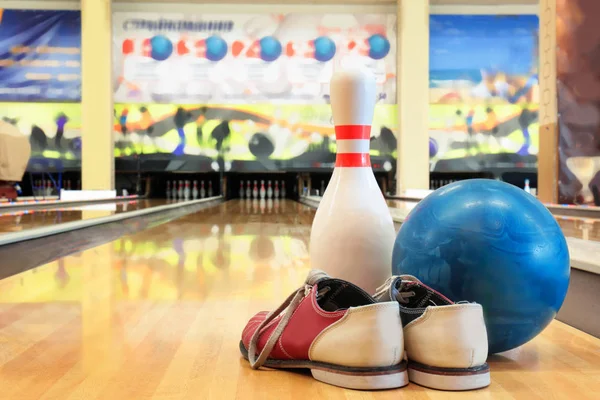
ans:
(446, 342)
(338, 331)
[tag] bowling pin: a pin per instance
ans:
(283, 189)
(180, 190)
(262, 189)
(195, 190)
(187, 191)
(202, 190)
(241, 189)
(210, 189)
(255, 191)
(322, 187)
(248, 189)
(174, 191)
(269, 190)
(263, 205)
(353, 234)
(168, 189)
(276, 191)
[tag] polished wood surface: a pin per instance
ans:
(16, 221)
(158, 315)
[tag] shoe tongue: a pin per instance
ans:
(390, 293)
(315, 276)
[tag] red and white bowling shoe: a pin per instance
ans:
(336, 330)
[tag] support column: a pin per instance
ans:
(548, 150)
(413, 95)
(97, 155)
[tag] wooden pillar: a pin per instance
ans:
(548, 150)
(97, 156)
(413, 95)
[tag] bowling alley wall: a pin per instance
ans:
(252, 89)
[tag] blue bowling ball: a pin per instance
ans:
(270, 48)
(379, 46)
(216, 48)
(161, 47)
(324, 48)
(489, 242)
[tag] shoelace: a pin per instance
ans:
(291, 303)
(402, 297)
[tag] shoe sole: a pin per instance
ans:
(449, 378)
(362, 378)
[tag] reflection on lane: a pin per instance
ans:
(179, 259)
(28, 219)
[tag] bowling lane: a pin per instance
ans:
(17, 221)
(580, 228)
(158, 315)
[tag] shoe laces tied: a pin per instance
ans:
(287, 307)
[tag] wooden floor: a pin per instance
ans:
(158, 315)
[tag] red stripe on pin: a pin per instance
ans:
(351, 132)
(349, 160)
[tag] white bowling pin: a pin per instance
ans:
(202, 190)
(276, 191)
(180, 190)
(262, 189)
(283, 189)
(195, 190)
(269, 190)
(187, 191)
(210, 189)
(241, 189)
(168, 191)
(263, 205)
(255, 191)
(322, 188)
(353, 233)
(248, 189)
(174, 191)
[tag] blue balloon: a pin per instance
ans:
(270, 48)
(489, 242)
(379, 46)
(161, 47)
(216, 48)
(324, 48)
(433, 147)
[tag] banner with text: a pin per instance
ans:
(238, 58)
(40, 55)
